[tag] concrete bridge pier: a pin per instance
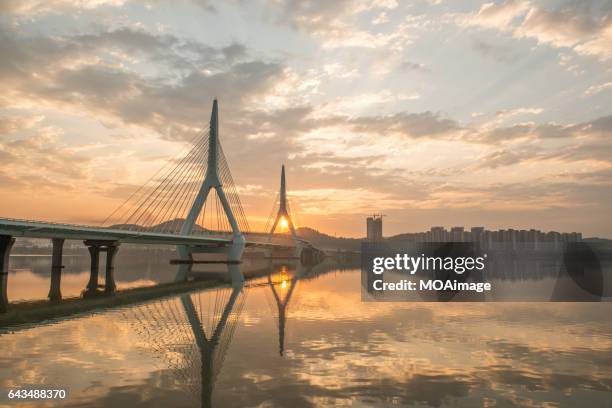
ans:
(310, 255)
(6, 243)
(184, 269)
(55, 293)
(111, 252)
(95, 247)
(267, 253)
(94, 253)
(299, 248)
(237, 248)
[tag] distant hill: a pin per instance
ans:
(604, 241)
(172, 225)
(324, 241)
(401, 237)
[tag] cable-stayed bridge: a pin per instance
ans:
(192, 203)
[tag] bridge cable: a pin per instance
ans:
(187, 158)
(190, 195)
(168, 187)
(183, 180)
(187, 190)
(275, 206)
(233, 192)
(150, 179)
(156, 196)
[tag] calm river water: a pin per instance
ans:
(299, 337)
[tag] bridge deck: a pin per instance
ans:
(38, 229)
(42, 229)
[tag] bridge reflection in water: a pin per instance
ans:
(281, 294)
(191, 334)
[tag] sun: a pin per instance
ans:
(284, 224)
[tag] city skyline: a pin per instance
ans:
(502, 239)
(434, 112)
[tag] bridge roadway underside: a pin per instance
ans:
(97, 240)
(35, 229)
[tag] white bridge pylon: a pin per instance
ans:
(211, 181)
(283, 217)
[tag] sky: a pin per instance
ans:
(432, 112)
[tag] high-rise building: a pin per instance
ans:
(457, 234)
(438, 234)
(476, 233)
(503, 239)
(374, 228)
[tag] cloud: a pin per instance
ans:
(591, 151)
(507, 157)
(339, 71)
(561, 28)
(413, 66)
(497, 15)
(323, 201)
(572, 27)
(604, 176)
(33, 7)
(369, 101)
(496, 52)
(577, 25)
(506, 113)
(547, 148)
(598, 128)
(26, 158)
(79, 74)
(171, 104)
(594, 89)
(424, 124)
(333, 23)
(116, 49)
(15, 124)
(29, 8)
